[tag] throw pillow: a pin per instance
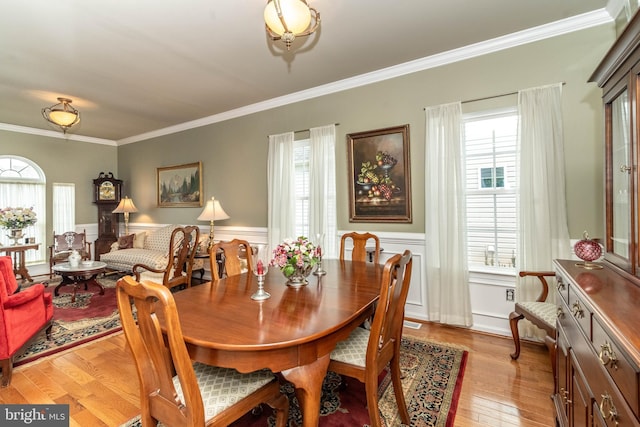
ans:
(126, 242)
(138, 241)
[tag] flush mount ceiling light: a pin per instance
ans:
(62, 114)
(287, 19)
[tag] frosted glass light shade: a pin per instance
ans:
(296, 15)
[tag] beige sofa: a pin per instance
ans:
(149, 248)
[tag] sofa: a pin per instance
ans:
(148, 248)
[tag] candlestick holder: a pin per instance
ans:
(260, 265)
(319, 271)
(260, 294)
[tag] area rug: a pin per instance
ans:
(432, 380)
(90, 317)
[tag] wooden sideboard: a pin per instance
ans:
(598, 347)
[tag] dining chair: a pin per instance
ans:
(236, 258)
(197, 394)
(359, 252)
(541, 313)
(366, 353)
(180, 256)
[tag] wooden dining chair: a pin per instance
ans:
(367, 352)
(197, 394)
(180, 256)
(359, 252)
(236, 257)
(541, 313)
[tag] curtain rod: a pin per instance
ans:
(307, 130)
(491, 97)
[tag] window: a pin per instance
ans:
(22, 184)
(491, 174)
(302, 152)
(64, 207)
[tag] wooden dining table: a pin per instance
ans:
(293, 332)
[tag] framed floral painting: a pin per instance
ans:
(379, 176)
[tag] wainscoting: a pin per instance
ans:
(488, 291)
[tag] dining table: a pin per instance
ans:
(292, 333)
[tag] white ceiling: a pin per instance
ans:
(135, 68)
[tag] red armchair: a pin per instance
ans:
(23, 314)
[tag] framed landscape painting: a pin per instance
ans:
(379, 179)
(180, 186)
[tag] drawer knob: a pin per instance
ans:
(560, 285)
(577, 311)
(608, 409)
(607, 356)
(625, 168)
(560, 313)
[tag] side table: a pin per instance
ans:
(83, 274)
(19, 265)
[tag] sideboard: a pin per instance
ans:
(598, 347)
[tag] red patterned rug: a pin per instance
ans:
(432, 380)
(90, 317)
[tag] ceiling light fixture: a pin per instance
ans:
(62, 114)
(287, 19)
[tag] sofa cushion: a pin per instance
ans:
(138, 241)
(126, 242)
(125, 259)
(159, 239)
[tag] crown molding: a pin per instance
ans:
(55, 134)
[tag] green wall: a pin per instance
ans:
(65, 161)
(234, 152)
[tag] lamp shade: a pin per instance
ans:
(213, 211)
(125, 206)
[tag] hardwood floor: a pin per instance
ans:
(100, 383)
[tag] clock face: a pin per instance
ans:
(107, 191)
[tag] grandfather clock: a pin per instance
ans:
(106, 195)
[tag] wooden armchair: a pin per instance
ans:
(179, 268)
(360, 240)
(539, 312)
(196, 390)
(66, 242)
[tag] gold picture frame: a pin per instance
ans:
(379, 178)
(180, 186)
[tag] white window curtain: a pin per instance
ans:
(28, 195)
(322, 204)
(542, 209)
(281, 219)
(448, 295)
(64, 211)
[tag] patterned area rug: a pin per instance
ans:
(90, 317)
(432, 380)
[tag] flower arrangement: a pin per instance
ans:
(297, 255)
(17, 218)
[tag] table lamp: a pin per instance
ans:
(211, 212)
(126, 206)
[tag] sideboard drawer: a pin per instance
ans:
(562, 287)
(617, 364)
(580, 312)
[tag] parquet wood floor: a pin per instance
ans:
(100, 384)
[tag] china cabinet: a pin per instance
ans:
(618, 74)
(598, 344)
(106, 196)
